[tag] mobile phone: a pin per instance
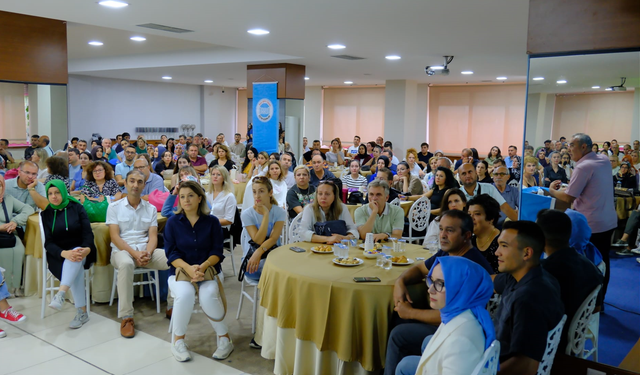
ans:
(297, 249)
(368, 279)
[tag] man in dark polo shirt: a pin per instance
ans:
(456, 229)
(530, 305)
(384, 174)
(576, 274)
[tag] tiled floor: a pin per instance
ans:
(48, 346)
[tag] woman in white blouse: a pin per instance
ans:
(274, 172)
(354, 179)
(414, 168)
(327, 207)
(220, 195)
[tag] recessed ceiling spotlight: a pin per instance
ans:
(258, 31)
(113, 3)
(348, 82)
(167, 77)
(608, 89)
(138, 38)
(306, 78)
(95, 43)
(336, 46)
(595, 87)
(466, 72)
(393, 57)
(538, 78)
(501, 78)
(208, 81)
(561, 81)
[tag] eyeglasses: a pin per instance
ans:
(499, 174)
(438, 285)
(98, 170)
(141, 167)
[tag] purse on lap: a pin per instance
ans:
(331, 227)
(96, 211)
(209, 274)
(254, 247)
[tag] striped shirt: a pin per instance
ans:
(350, 183)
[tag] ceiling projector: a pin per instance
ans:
(621, 87)
(439, 69)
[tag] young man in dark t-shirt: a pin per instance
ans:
(456, 229)
(530, 306)
(424, 156)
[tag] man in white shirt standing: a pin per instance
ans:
(353, 150)
(286, 160)
(133, 226)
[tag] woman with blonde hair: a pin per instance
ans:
(186, 173)
(40, 157)
(531, 175)
(327, 207)
(302, 193)
(220, 195)
(279, 185)
(414, 168)
(260, 167)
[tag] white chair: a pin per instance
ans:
(395, 202)
(245, 283)
(152, 279)
(48, 278)
(577, 333)
(295, 228)
(553, 339)
(488, 365)
(231, 247)
(494, 302)
(514, 183)
(418, 218)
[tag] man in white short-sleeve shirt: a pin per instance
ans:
(471, 187)
(353, 150)
(133, 226)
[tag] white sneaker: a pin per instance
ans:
(225, 347)
(180, 351)
(81, 318)
(636, 251)
(2, 334)
(58, 301)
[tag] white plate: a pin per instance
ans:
(360, 261)
(409, 261)
(384, 247)
(321, 252)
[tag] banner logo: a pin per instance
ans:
(264, 110)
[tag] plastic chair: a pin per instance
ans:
(418, 218)
(295, 228)
(152, 276)
(252, 298)
(579, 325)
(490, 359)
(231, 247)
(48, 278)
(395, 202)
(553, 339)
(494, 302)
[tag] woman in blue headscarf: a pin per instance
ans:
(460, 289)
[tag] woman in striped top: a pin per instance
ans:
(354, 179)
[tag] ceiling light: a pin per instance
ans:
(138, 38)
(501, 78)
(258, 31)
(167, 77)
(466, 72)
(538, 78)
(95, 43)
(113, 3)
(561, 81)
(306, 78)
(437, 67)
(208, 81)
(348, 82)
(393, 57)
(336, 46)
(595, 87)
(608, 89)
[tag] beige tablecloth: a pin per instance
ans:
(103, 271)
(239, 192)
(624, 206)
(319, 300)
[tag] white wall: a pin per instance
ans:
(113, 106)
(312, 113)
(219, 112)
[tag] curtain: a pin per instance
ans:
(13, 125)
(352, 111)
(475, 116)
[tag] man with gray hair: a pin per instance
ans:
(383, 219)
(591, 192)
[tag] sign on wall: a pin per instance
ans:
(265, 116)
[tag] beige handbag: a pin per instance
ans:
(209, 274)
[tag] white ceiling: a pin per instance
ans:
(485, 36)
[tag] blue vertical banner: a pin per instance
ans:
(265, 116)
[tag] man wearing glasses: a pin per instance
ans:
(26, 188)
(126, 166)
(153, 181)
(510, 194)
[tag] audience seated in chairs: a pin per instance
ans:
(531, 305)
(302, 193)
(70, 248)
(454, 199)
(328, 209)
(405, 181)
(485, 212)
(385, 174)
(460, 289)
(382, 219)
(133, 226)
(471, 187)
(318, 171)
(354, 179)
(191, 225)
(26, 188)
(510, 194)
(443, 181)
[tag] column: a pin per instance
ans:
(635, 124)
(405, 119)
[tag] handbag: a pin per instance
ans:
(96, 211)
(7, 240)
(209, 274)
(329, 228)
(254, 246)
(355, 197)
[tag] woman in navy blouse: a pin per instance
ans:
(193, 242)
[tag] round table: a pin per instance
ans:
(307, 294)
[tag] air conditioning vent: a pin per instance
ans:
(348, 57)
(169, 29)
(486, 80)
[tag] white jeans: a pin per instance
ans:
(185, 298)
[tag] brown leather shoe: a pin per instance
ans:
(127, 328)
(168, 313)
